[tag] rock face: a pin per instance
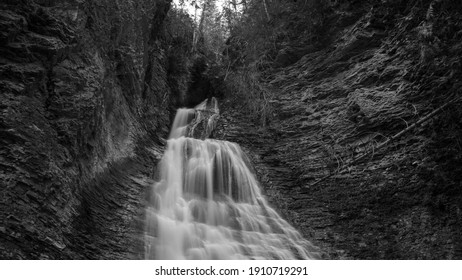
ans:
(86, 92)
(85, 101)
(394, 65)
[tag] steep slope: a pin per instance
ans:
(385, 67)
(86, 92)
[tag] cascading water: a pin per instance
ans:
(208, 204)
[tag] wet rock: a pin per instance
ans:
(205, 120)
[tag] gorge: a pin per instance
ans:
(311, 94)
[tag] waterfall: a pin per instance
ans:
(207, 204)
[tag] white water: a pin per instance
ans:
(208, 205)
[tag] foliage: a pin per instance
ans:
(214, 31)
(245, 87)
(268, 30)
(245, 37)
(258, 32)
(179, 30)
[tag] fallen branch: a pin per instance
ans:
(394, 137)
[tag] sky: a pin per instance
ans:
(190, 8)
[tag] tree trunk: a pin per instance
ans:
(266, 10)
(244, 3)
(195, 30)
(200, 33)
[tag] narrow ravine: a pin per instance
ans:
(338, 135)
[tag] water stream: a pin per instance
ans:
(208, 204)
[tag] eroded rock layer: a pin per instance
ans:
(85, 94)
(385, 67)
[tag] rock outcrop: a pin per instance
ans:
(393, 64)
(86, 98)
(87, 89)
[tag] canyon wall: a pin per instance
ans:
(378, 68)
(87, 91)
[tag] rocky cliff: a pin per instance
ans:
(360, 146)
(334, 110)
(87, 88)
